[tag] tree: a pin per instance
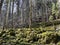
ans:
(30, 15)
(7, 13)
(12, 14)
(21, 15)
(4, 13)
(18, 2)
(55, 10)
(1, 2)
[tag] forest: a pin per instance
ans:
(29, 22)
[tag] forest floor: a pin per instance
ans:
(40, 35)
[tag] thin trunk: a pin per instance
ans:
(21, 15)
(18, 10)
(42, 14)
(7, 14)
(30, 15)
(12, 14)
(1, 3)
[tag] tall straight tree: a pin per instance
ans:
(12, 13)
(4, 14)
(8, 7)
(1, 3)
(18, 2)
(21, 14)
(30, 15)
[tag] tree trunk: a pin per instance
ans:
(30, 15)
(7, 14)
(1, 3)
(12, 14)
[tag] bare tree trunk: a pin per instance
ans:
(18, 1)
(1, 3)
(12, 14)
(7, 14)
(21, 15)
(30, 15)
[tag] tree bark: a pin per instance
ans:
(12, 14)
(7, 14)
(1, 3)
(30, 15)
